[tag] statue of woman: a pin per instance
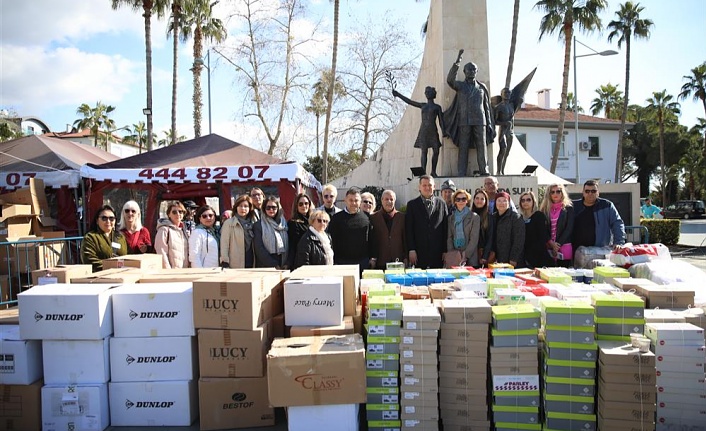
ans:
(428, 136)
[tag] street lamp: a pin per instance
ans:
(207, 65)
(576, 100)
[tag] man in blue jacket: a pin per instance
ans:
(596, 221)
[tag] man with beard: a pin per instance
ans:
(389, 232)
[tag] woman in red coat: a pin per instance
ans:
(137, 236)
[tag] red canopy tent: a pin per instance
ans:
(209, 166)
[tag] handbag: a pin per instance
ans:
(567, 251)
(454, 258)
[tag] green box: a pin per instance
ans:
(600, 273)
(570, 334)
(569, 404)
(509, 426)
(515, 317)
(618, 305)
(571, 351)
(382, 412)
(373, 273)
(382, 362)
(501, 399)
(569, 422)
(383, 328)
(383, 396)
(569, 387)
(619, 326)
(387, 289)
(523, 338)
(570, 369)
(567, 313)
(515, 414)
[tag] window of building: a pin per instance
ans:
(594, 149)
(562, 149)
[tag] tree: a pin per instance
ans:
(317, 104)
(198, 18)
(560, 18)
(627, 25)
(168, 139)
(513, 43)
(571, 103)
(148, 7)
(609, 100)
(695, 85)
(174, 30)
(339, 165)
(138, 131)
(95, 119)
(329, 95)
(662, 107)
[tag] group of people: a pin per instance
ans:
(455, 229)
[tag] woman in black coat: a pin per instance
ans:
(509, 233)
(314, 247)
(298, 224)
(536, 232)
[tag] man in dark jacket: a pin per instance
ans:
(389, 232)
(425, 227)
(596, 220)
(351, 234)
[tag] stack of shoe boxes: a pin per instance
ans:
(569, 365)
(419, 376)
(515, 382)
(618, 314)
(463, 364)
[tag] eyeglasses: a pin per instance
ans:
(271, 207)
(176, 212)
(463, 199)
(303, 204)
(322, 220)
(526, 200)
(591, 191)
(108, 218)
(329, 196)
(208, 215)
(367, 202)
(129, 211)
(555, 192)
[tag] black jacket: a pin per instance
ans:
(536, 237)
(310, 251)
(509, 238)
(426, 234)
(296, 228)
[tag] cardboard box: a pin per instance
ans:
(384, 308)
(10, 316)
(76, 362)
(20, 360)
(15, 227)
(60, 274)
(65, 406)
(152, 310)
(338, 417)
(515, 317)
(626, 410)
(153, 403)
(605, 424)
(569, 387)
(149, 359)
(472, 379)
(521, 338)
(570, 421)
(346, 327)
(513, 353)
(517, 400)
(465, 311)
(421, 317)
(317, 371)
(225, 302)
(463, 396)
(66, 312)
(233, 353)
(234, 403)
(113, 276)
(384, 328)
(142, 261)
(674, 334)
(20, 406)
(351, 280)
(382, 412)
(8, 210)
(313, 301)
(627, 392)
(279, 330)
(386, 395)
(565, 313)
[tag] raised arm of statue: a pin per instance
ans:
(407, 100)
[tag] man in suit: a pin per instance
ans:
(389, 232)
(425, 227)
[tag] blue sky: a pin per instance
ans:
(57, 54)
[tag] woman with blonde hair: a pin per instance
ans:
(536, 232)
(137, 236)
(170, 240)
(559, 210)
(314, 247)
(237, 235)
(463, 232)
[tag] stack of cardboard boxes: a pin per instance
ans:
(618, 314)
(463, 364)
(514, 367)
(626, 387)
(153, 356)
(569, 365)
(20, 380)
(419, 381)
(681, 390)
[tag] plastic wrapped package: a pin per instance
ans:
(640, 253)
(584, 256)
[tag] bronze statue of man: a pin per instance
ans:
(469, 119)
(428, 136)
(504, 115)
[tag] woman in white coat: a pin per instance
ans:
(204, 240)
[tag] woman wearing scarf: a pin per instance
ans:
(536, 232)
(559, 210)
(463, 232)
(271, 239)
(509, 233)
(203, 242)
(314, 247)
(170, 240)
(298, 223)
(102, 242)
(237, 236)
(137, 236)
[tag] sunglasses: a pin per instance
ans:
(303, 204)
(175, 212)
(461, 199)
(270, 207)
(526, 200)
(322, 220)
(107, 218)
(367, 202)
(129, 211)
(555, 192)
(591, 191)
(208, 215)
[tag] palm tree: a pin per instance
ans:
(662, 107)
(331, 87)
(95, 119)
(318, 99)
(609, 100)
(198, 18)
(513, 43)
(695, 85)
(173, 30)
(627, 25)
(148, 7)
(571, 103)
(561, 16)
(138, 131)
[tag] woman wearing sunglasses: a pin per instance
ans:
(204, 240)
(137, 236)
(298, 223)
(237, 235)
(271, 239)
(315, 246)
(463, 232)
(103, 241)
(171, 241)
(559, 210)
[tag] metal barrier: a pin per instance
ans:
(637, 234)
(19, 258)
